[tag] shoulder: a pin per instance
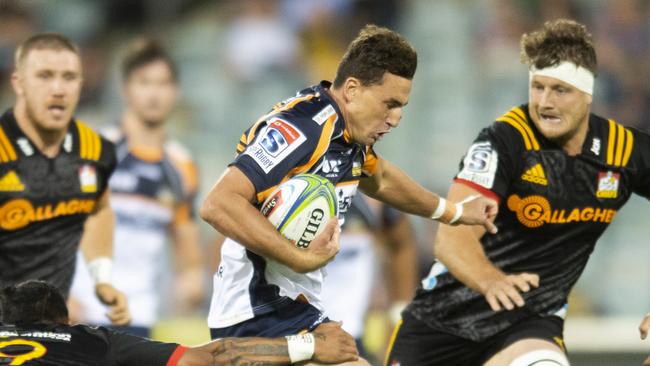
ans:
(93, 146)
(515, 129)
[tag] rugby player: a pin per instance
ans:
(560, 175)
(152, 195)
(54, 171)
(265, 285)
(34, 330)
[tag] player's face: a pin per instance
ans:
(372, 111)
(558, 109)
(48, 84)
(150, 92)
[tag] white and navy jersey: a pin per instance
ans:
(553, 208)
(151, 192)
(350, 276)
(304, 134)
(44, 202)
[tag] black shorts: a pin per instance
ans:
(417, 344)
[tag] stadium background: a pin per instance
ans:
(237, 58)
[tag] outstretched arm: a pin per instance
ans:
(229, 209)
(332, 345)
(391, 185)
(459, 249)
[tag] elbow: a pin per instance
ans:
(211, 212)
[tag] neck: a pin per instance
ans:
(140, 133)
(48, 142)
(337, 95)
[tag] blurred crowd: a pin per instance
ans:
(238, 57)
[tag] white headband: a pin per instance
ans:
(570, 73)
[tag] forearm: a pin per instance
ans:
(235, 217)
(247, 351)
(97, 238)
(187, 251)
(460, 250)
(394, 187)
(402, 262)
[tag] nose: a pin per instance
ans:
(545, 99)
(394, 117)
(58, 87)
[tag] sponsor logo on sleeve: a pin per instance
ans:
(275, 142)
(480, 165)
(324, 114)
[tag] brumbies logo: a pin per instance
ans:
(535, 211)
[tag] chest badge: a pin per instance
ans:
(608, 185)
(11, 183)
(535, 175)
(88, 179)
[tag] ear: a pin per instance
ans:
(351, 88)
(16, 83)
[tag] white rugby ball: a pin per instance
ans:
(301, 207)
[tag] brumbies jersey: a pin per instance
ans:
(152, 191)
(553, 208)
(81, 345)
(304, 134)
(44, 201)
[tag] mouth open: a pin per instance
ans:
(549, 118)
(56, 110)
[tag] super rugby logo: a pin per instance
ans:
(275, 142)
(19, 213)
(535, 211)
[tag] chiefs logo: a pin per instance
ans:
(20, 351)
(19, 213)
(535, 211)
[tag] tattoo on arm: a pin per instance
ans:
(251, 352)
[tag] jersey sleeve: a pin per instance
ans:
(108, 162)
(188, 173)
(126, 349)
(641, 163)
(490, 162)
(370, 161)
(275, 148)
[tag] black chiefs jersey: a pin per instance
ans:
(552, 209)
(44, 201)
(81, 345)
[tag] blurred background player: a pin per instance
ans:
(35, 330)
(54, 172)
(561, 174)
(378, 251)
(152, 193)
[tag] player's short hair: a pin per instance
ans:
(559, 40)
(44, 41)
(375, 51)
(144, 51)
(32, 302)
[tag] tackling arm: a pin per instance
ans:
(460, 250)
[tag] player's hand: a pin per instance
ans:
(506, 292)
(118, 310)
(478, 210)
(333, 344)
(323, 248)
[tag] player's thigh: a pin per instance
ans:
(415, 344)
(529, 352)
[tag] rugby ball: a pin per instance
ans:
(300, 207)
